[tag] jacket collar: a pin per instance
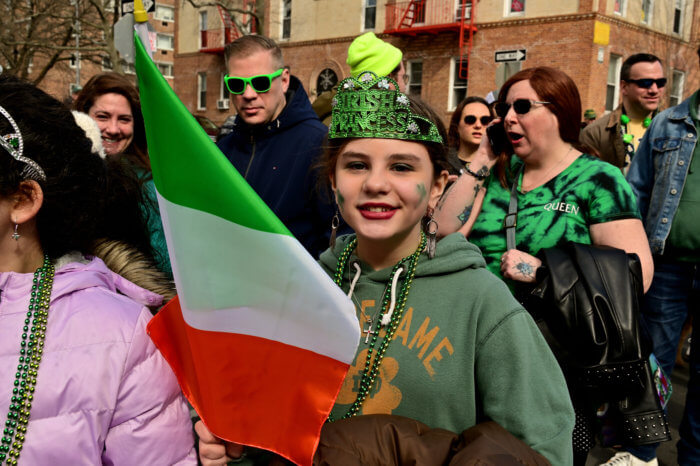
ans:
(680, 111)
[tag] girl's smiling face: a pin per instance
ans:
(384, 188)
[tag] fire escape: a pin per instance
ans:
(413, 17)
(214, 40)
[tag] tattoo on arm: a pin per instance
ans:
(464, 216)
(525, 269)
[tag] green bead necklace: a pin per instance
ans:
(371, 369)
(31, 349)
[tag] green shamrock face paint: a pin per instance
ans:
(422, 191)
(340, 200)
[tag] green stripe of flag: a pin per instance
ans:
(188, 169)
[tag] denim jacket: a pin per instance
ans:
(659, 169)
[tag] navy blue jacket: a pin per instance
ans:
(279, 157)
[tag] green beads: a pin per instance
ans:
(32, 341)
(371, 368)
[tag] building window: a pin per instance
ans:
(286, 19)
(201, 91)
(223, 94)
(677, 84)
(107, 64)
(677, 16)
(327, 79)
(166, 69)
(515, 7)
(370, 13)
(458, 86)
(415, 78)
(467, 11)
(203, 19)
(128, 68)
(165, 41)
(647, 8)
(612, 90)
(505, 70)
(620, 7)
(164, 13)
(74, 61)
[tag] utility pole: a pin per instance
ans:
(76, 28)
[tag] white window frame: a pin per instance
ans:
(676, 98)
(458, 6)
(160, 8)
(615, 60)
(647, 18)
(678, 5)
(128, 68)
(166, 65)
(284, 18)
(168, 37)
(411, 76)
(107, 64)
(507, 11)
(202, 90)
(203, 24)
(623, 8)
(366, 7)
(223, 92)
(454, 68)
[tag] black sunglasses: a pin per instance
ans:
(521, 107)
(646, 83)
(471, 119)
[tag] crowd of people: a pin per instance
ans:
(420, 225)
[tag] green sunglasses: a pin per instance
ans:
(261, 83)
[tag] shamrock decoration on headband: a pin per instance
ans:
(369, 106)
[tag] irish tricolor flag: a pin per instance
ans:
(260, 338)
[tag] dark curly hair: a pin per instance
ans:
(85, 198)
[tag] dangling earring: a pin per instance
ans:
(15, 235)
(431, 229)
(335, 223)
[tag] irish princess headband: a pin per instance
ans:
(368, 107)
(14, 145)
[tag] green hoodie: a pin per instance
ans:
(464, 351)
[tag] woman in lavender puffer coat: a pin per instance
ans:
(80, 380)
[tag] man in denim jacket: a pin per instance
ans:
(665, 176)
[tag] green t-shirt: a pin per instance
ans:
(587, 192)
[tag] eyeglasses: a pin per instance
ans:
(646, 83)
(521, 107)
(260, 84)
(471, 119)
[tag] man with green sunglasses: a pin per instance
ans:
(276, 138)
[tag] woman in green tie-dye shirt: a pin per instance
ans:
(563, 195)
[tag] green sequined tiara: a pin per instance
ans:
(368, 107)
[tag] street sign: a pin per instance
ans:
(510, 55)
(128, 6)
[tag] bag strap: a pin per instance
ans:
(511, 219)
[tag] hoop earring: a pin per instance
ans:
(15, 235)
(335, 223)
(431, 229)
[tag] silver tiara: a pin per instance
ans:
(14, 145)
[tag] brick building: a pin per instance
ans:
(63, 75)
(588, 39)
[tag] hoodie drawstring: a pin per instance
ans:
(386, 318)
(358, 271)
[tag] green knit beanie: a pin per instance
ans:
(369, 53)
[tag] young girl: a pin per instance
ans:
(443, 341)
(80, 381)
